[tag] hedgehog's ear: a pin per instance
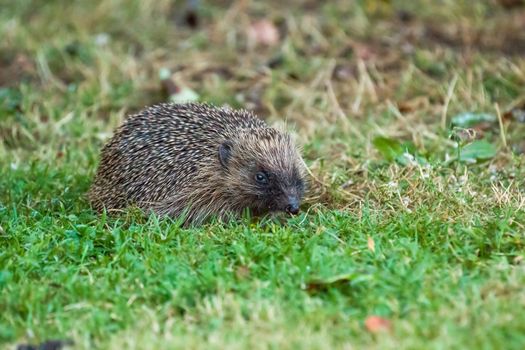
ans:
(225, 152)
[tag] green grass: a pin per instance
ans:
(434, 245)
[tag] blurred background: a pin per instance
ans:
(338, 72)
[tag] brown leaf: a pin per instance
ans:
(376, 324)
(169, 87)
(516, 114)
(371, 244)
(263, 32)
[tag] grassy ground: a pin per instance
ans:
(395, 226)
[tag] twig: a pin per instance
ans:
(501, 128)
(450, 92)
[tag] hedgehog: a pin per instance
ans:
(197, 161)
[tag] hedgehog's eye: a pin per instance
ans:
(261, 178)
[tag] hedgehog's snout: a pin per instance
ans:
(293, 205)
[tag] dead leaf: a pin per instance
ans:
(376, 324)
(168, 85)
(516, 114)
(263, 32)
(371, 244)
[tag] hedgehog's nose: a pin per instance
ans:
(293, 205)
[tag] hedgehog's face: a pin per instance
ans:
(264, 175)
(275, 190)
